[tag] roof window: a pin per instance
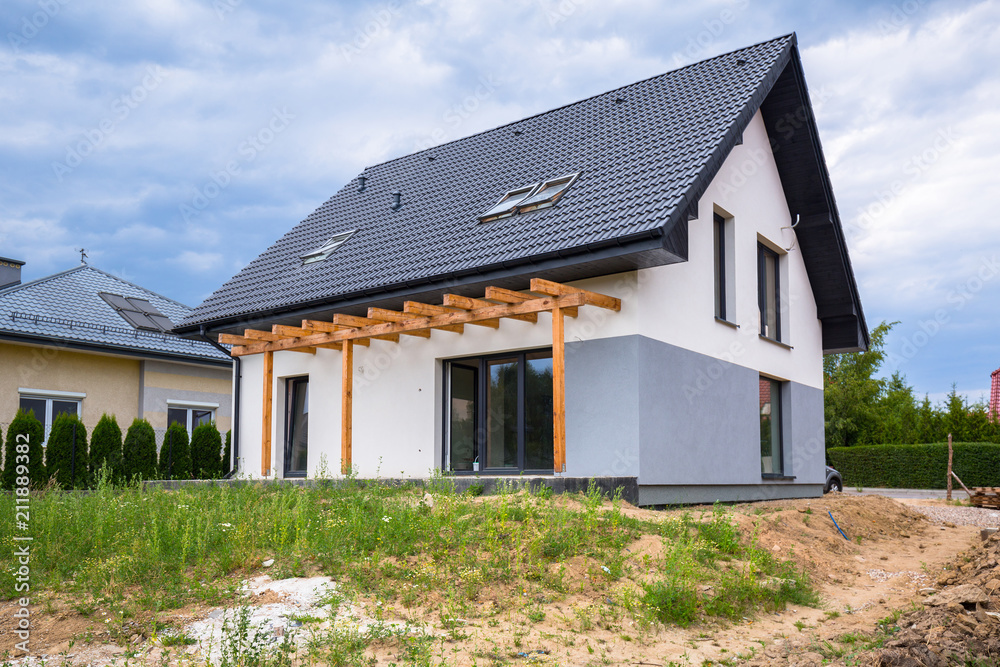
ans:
(505, 207)
(530, 198)
(140, 313)
(328, 248)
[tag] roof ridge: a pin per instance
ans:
(792, 36)
(82, 267)
(144, 289)
(43, 279)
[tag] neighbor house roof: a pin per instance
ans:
(645, 154)
(66, 309)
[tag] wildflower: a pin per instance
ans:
(386, 519)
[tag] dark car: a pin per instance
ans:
(834, 482)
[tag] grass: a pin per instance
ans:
(136, 553)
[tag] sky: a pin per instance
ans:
(175, 140)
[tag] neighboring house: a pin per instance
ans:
(86, 342)
(695, 210)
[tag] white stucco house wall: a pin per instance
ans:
(699, 199)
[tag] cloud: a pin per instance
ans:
(199, 262)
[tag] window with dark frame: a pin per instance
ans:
(771, 459)
(499, 413)
(769, 292)
(47, 408)
(189, 418)
(296, 426)
(719, 225)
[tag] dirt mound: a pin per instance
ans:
(960, 622)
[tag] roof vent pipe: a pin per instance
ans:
(361, 182)
(396, 204)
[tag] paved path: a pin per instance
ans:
(958, 493)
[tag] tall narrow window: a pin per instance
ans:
(770, 427)
(719, 225)
(296, 426)
(462, 416)
(769, 293)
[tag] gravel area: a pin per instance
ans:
(961, 516)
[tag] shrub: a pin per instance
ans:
(227, 455)
(206, 450)
(139, 451)
(175, 453)
(106, 447)
(917, 466)
(66, 452)
(24, 424)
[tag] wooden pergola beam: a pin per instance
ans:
(318, 326)
(265, 435)
(384, 315)
(510, 296)
(346, 406)
(542, 286)
(455, 301)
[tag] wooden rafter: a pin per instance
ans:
(344, 331)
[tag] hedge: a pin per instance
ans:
(175, 453)
(139, 451)
(227, 454)
(66, 452)
(206, 451)
(24, 424)
(106, 447)
(917, 466)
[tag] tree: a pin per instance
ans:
(139, 451)
(106, 447)
(175, 453)
(852, 392)
(66, 452)
(206, 450)
(24, 447)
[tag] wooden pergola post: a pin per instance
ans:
(265, 434)
(346, 409)
(558, 392)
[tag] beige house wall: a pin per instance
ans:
(111, 384)
(167, 384)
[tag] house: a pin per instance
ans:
(638, 285)
(86, 342)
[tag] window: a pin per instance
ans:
(769, 292)
(770, 427)
(510, 396)
(190, 415)
(530, 198)
(140, 313)
(547, 194)
(47, 405)
(327, 249)
(505, 207)
(296, 426)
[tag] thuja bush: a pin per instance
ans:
(227, 454)
(206, 452)
(106, 447)
(139, 451)
(24, 448)
(66, 453)
(175, 453)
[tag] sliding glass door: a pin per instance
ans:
(500, 413)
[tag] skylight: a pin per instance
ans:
(530, 198)
(505, 207)
(140, 313)
(328, 248)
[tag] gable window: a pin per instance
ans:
(190, 415)
(771, 460)
(508, 203)
(47, 405)
(769, 292)
(327, 248)
(499, 413)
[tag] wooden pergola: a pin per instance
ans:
(343, 332)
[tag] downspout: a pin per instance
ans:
(238, 374)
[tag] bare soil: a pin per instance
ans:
(892, 556)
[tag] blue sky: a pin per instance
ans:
(176, 139)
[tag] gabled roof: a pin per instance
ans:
(645, 153)
(66, 309)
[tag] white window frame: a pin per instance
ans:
(49, 395)
(188, 406)
(511, 198)
(327, 248)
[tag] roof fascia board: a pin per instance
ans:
(62, 343)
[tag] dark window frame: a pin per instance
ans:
(291, 387)
(48, 417)
(481, 364)
(763, 254)
(719, 227)
(777, 417)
